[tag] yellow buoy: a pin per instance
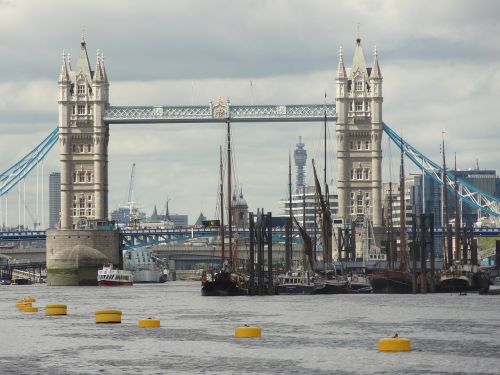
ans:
(394, 344)
(23, 305)
(29, 299)
(30, 309)
(108, 316)
(148, 323)
(247, 331)
(55, 309)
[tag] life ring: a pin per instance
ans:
(354, 279)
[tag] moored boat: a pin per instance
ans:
(145, 266)
(110, 276)
(359, 283)
(222, 283)
(295, 282)
(390, 281)
(331, 283)
(455, 280)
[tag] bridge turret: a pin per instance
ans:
(359, 117)
(83, 141)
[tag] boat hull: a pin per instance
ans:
(296, 289)
(222, 284)
(148, 276)
(390, 282)
(331, 288)
(453, 285)
(114, 283)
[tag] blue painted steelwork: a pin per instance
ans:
(13, 175)
(467, 192)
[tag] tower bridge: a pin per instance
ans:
(85, 115)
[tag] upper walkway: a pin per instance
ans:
(219, 112)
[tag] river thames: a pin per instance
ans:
(315, 334)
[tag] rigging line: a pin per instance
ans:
(24, 203)
(19, 207)
(43, 197)
(37, 192)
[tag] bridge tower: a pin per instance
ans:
(359, 132)
(84, 241)
(83, 136)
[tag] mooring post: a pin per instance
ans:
(497, 255)
(251, 265)
(270, 284)
(432, 254)
(413, 251)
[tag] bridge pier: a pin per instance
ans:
(74, 256)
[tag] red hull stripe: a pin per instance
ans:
(114, 283)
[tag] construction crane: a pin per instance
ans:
(130, 201)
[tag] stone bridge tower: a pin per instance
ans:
(359, 132)
(84, 241)
(83, 137)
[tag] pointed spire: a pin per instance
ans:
(341, 68)
(154, 216)
(104, 74)
(83, 64)
(375, 73)
(64, 74)
(98, 76)
(358, 61)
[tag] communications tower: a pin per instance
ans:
(300, 157)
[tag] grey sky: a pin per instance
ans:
(439, 60)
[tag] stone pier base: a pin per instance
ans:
(74, 256)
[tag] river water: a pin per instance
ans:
(324, 334)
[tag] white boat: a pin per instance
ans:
(110, 276)
(145, 266)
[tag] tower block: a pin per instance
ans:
(85, 239)
(359, 134)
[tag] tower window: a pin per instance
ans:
(352, 174)
(358, 145)
(89, 148)
(359, 106)
(351, 145)
(367, 174)
(74, 148)
(80, 148)
(359, 174)
(81, 89)
(359, 86)
(81, 177)
(367, 145)
(351, 106)
(81, 109)
(89, 177)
